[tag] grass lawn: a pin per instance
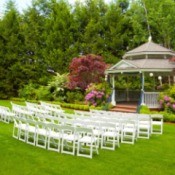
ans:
(155, 156)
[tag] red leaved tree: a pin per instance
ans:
(85, 70)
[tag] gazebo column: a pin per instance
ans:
(113, 102)
(142, 88)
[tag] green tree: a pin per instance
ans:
(59, 34)
(10, 59)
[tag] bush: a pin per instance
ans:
(143, 109)
(74, 96)
(57, 87)
(167, 100)
(168, 117)
(29, 92)
(97, 94)
(17, 99)
(35, 92)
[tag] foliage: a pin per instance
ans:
(128, 82)
(97, 94)
(29, 91)
(168, 117)
(75, 96)
(75, 106)
(35, 92)
(143, 109)
(167, 100)
(48, 34)
(85, 70)
(57, 86)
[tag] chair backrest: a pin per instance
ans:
(84, 131)
(54, 127)
(108, 126)
(67, 129)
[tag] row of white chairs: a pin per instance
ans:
(60, 138)
(127, 127)
(71, 120)
(142, 126)
(6, 115)
(156, 120)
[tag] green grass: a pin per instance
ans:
(155, 156)
(146, 157)
(7, 103)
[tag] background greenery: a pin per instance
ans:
(46, 36)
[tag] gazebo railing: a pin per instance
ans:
(151, 99)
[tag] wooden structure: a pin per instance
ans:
(149, 59)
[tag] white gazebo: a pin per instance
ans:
(148, 59)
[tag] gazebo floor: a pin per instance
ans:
(130, 107)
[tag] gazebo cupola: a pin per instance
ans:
(149, 58)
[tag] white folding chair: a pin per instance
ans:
(19, 127)
(87, 142)
(54, 137)
(128, 134)
(110, 136)
(41, 134)
(156, 123)
(31, 132)
(144, 126)
(69, 139)
(22, 129)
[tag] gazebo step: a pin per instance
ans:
(125, 107)
(134, 107)
(123, 110)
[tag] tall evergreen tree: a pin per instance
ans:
(59, 35)
(10, 77)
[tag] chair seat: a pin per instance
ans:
(87, 139)
(31, 129)
(144, 126)
(55, 134)
(128, 129)
(70, 137)
(22, 126)
(42, 131)
(156, 122)
(110, 134)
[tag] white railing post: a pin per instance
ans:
(142, 90)
(113, 102)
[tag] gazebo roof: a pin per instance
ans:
(145, 65)
(157, 59)
(149, 48)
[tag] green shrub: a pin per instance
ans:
(17, 99)
(143, 109)
(168, 117)
(35, 92)
(97, 94)
(29, 92)
(57, 86)
(74, 96)
(167, 100)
